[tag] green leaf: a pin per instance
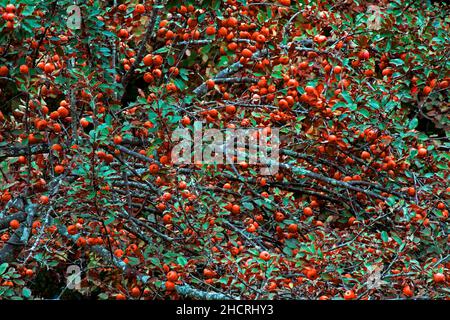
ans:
(384, 236)
(276, 72)
(182, 261)
(338, 105)
(248, 205)
(396, 238)
(180, 84)
(3, 267)
(26, 292)
(184, 74)
(162, 50)
(413, 123)
(109, 220)
(397, 62)
(364, 112)
(133, 261)
(155, 261)
(103, 296)
(171, 60)
(223, 61)
(374, 104)
(390, 201)
(352, 106)
(27, 11)
(347, 96)
(216, 5)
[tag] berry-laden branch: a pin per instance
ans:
(15, 151)
(225, 73)
(183, 289)
(143, 46)
(13, 247)
(89, 176)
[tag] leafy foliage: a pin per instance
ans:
(358, 209)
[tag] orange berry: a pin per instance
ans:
(63, 112)
(349, 295)
(283, 104)
(148, 60)
(72, 230)
(443, 84)
(59, 169)
(84, 123)
(44, 199)
(210, 30)
(81, 242)
(167, 196)
(308, 211)
(213, 113)
(148, 77)
(182, 185)
(24, 69)
(49, 67)
(54, 115)
(285, 2)
(167, 219)
(4, 71)
(337, 70)
(332, 138)
(364, 54)
(153, 168)
(246, 53)
(230, 109)
(279, 216)
(422, 152)
(158, 60)
(123, 33)
(311, 274)
(438, 278)
(140, 8)
(186, 121)
(427, 90)
(293, 228)
(365, 155)
(118, 253)
(210, 84)
(120, 296)
(117, 139)
(407, 291)
(170, 286)
(172, 276)
(135, 292)
(264, 255)
(14, 224)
